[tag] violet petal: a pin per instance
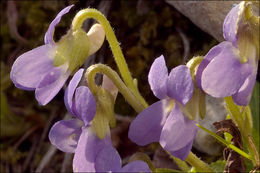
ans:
(177, 132)
(85, 104)
(50, 85)
(179, 84)
(64, 134)
(29, 68)
(146, 127)
(88, 147)
(70, 90)
(48, 38)
(224, 75)
(182, 153)
(157, 77)
(231, 22)
(107, 160)
(215, 51)
(243, 96)
(136, 166)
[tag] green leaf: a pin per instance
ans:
(218, 166)
(228, 137)
(249, 165)
(254, 105)
(223, 141)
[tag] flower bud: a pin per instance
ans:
(96, 36)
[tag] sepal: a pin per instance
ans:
(73, 49)
(77, 45)
(105, 115)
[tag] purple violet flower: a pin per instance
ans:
(76, 135)
(35, 69)
(164, 121)
(108, 160)
(221, 72)
(71, 135)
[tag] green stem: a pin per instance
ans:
(193, 63)
(181, 164)
(200, 166)
(236, 149)
(245, 130)
(112, 75)
(77, 22)
(194, 161)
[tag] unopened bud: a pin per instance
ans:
(96, 36)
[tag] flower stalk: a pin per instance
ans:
(114, 45)
(181, 164)
(113, 76)
(236, 149)
(131, 99)
(198, 164)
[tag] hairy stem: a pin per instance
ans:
(113, 76)
(114, 45)
(198, 164)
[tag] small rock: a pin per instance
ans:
(208, 15)
(215, 111)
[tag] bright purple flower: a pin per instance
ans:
(221, 73)
(77, 136)
(34, 70)
(163, 121)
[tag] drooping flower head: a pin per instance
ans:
(76, 135)
(164, 121)
(230, 68)
(45, 69)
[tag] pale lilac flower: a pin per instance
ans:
(108, 160)
(81, 104)
(34, 70)
(221, 73)
(76, 135)
(98, 155)
(164, 121)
